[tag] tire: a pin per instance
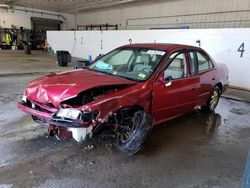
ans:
(134, 142)
(212, 101)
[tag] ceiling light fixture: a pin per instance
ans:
(100, 5)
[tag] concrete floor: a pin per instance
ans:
(195, 150)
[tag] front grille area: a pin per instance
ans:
(39, 107)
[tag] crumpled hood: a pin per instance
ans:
(58, 87)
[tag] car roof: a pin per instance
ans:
(163, 46)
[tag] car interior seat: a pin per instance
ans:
(144, 64)
(176, 69)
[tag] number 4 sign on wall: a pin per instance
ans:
(241, 49)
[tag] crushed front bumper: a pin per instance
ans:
(46, 116)
(64, 128)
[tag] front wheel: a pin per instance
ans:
(213, 100)
(133, 131)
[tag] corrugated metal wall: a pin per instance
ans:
(174, 14)
(198, 14)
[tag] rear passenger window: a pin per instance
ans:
(203, 62)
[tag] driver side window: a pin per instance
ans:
(177, 68)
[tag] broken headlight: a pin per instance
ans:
(69, 113)
(24, 98)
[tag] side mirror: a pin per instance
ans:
(165, 81)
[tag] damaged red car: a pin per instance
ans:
(128, 91)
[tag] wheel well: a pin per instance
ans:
(132, 108)
(220, 86)
(126, 111)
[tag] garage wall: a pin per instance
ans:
(22, 19)
(229, 46)
(173, 14)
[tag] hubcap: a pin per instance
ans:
(214, 99)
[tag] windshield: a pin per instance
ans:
(132, 63)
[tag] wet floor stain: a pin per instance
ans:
(240, 111)
(194, 150)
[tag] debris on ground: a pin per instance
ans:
(89, 147)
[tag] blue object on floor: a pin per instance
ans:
(246, 179)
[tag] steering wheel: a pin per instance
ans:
(147, 70)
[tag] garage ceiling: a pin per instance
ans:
(66, 6)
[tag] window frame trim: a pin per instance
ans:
(196, 62)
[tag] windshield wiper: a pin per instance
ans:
(105, 72)
(128, 78)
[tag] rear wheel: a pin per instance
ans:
(133, 131)
(213, 100)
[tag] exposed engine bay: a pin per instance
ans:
(90, 95)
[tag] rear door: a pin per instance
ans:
(206, 72)
(177, 93)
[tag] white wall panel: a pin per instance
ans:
(221, 44)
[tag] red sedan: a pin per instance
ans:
(128, 91)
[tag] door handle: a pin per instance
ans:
(168, 84)
(213, 78)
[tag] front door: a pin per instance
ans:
(176, 94)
